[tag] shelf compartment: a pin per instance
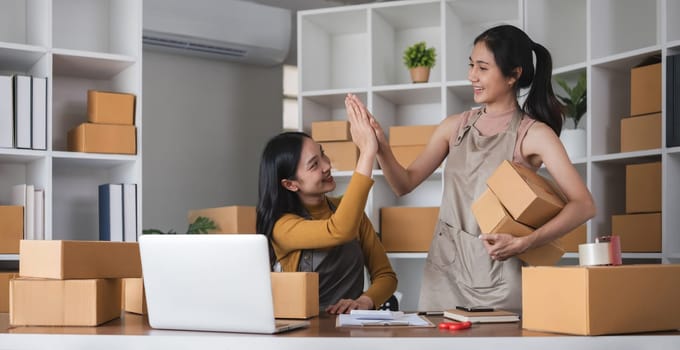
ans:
(394, 29)
(671, 205)
(29, 168)
(20, 58)
(25, 22)
(619, 26)
(672, 24)
(609, 100)
(103, 26)
(334, 50)
(547, 21)
(90, 65)
(325, 108)
(464, 21)
(419, 106)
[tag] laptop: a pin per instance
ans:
(210, 282)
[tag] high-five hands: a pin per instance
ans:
(360, 127)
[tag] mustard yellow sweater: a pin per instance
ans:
(293, 233)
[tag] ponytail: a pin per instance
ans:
(541, 102)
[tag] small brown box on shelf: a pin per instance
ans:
(408, 229)
(530, 198)
(639, 233)
(103, 138)
(336, 130)
(229, 219)
(405, 155)
(411, 135)
(641, 132)
(79, 259)
(5, 277)
(11, 228)
(643, 188)
(493, 218)
(77, 302)
(134, 297)
(645, 89)
(343, 154)
(597, 300)
(573, 238)
(295, 294)
(110, 107)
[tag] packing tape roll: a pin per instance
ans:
(592, 254)
(614, 248)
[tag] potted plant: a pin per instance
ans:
(575, 105)
(418, 58)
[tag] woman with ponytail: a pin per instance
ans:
(465, 267)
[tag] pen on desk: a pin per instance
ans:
(431, 313)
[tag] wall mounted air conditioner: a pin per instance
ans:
(224, 29)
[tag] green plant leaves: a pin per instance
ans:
(575, 103)
(200, 225)
(419, 55)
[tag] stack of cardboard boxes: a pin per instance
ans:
(642, 129)
(336, 141)
(110, 127)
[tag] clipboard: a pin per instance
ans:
(407, 321)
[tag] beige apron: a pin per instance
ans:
(458, 269)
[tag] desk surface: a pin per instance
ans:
(133, 331)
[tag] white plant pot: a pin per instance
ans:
(574, 141)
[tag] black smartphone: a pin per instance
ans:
(475, 308)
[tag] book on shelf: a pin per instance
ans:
(130, 212)
(111, 212)
(495, 316)
(22, 111)
(24, 195)
(39, 214)
(39, 113)
(6, 112)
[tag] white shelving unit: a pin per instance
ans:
(359, 49)
(78, 46)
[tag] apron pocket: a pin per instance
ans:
(474, 267)
(443, 246)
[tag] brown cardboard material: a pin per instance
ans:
(573, 238)
(5, 277)
(493, 218)
(229, 219)
(411, 135)
(408, 229)
(528, 197)
(11, 228)
(295, 294)
(84, 302)
(336, 130)
(641, 132)
(103, 138)
(79, 259)
(134, 296)
(639, 232)
(645, 89)
(405, 155)
(343, 155)
(599, 300)
(110, 107)
(643, 188)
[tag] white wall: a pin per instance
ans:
(205, 123)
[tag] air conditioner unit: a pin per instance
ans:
(224, 29)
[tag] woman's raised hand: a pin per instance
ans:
(360, 125)
(377, 129)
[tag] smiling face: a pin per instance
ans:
(489, 85)
(313, 176)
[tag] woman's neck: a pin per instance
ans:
(505, 104)
(313, 201)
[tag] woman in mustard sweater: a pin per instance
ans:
(309, 231)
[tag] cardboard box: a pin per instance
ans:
(641, 132)
(11, 228)
(336, 130)
(493, 218)
(573, 238)
(134, 296)
(79, 259)
(343, 155)
(411, 135)
(103, 138)
(405, 155)
(110, 108)
(600, 300)
(639, 232)
(530, 198)
(42, 302)
(645, 89)
(5, 277)
(643, 188)
(295, 294)
(230, 219)
(408, 229)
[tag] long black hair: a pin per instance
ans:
(512, 48)
(279, 161)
